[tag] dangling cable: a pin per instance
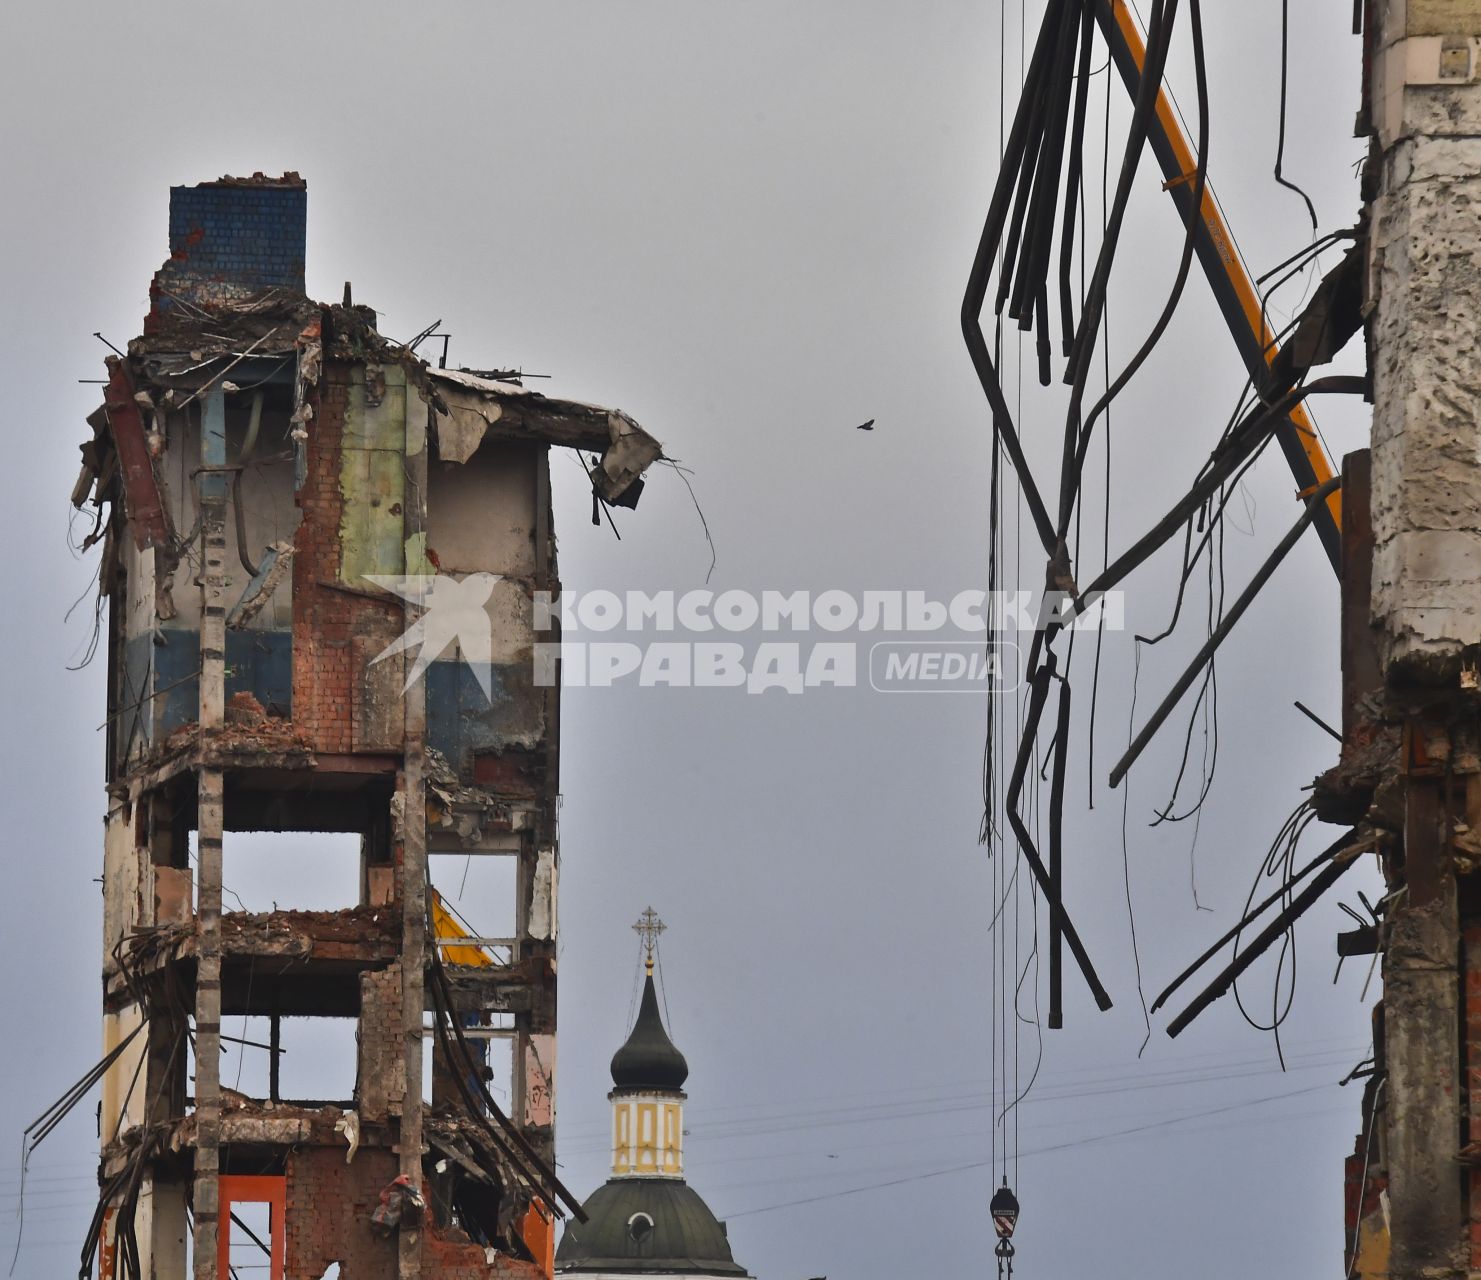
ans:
(1280, 145)
(1100, 626)
(1136, 954)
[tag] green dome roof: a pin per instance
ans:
(649, 1059)
(684, 1236)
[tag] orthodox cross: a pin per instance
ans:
(648, 927)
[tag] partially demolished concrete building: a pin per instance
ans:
(1410, 767)
(272, 479)
(1400, 525)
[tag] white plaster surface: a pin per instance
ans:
(1425, 280)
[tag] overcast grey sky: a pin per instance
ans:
(748, 225)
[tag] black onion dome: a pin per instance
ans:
(637, 1225)
(649, 1059)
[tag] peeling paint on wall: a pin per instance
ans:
(543, 896)
(373, 475)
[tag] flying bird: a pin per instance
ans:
(865, 426)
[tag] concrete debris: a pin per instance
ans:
(472, 409)
(276, 565)
(349, 1125)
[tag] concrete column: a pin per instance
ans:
(162, 1229)
(1422, 1053)
(414, 843)
(540, 1028)
(210, 825)
(1425, 284)
(1424, 107)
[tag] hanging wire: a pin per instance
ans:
(1280, 145)
(632, 1003)
(1100, 627)
(662, 989)
(1279, 863)
(1136, 954)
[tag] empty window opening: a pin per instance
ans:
(250, 1250)
(261, 494)
(479, 891)
(491, 1039)
(475, 1209)
(265, 871)
(316, 1058)
(493, 1024)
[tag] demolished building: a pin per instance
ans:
(1398, 523)
(1410, 763)
(270, 478)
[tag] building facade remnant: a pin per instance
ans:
(1411, 637)
(262, 467)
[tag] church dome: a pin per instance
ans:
(637, 1225)
(649, 1059)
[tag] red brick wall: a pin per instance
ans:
(329, 1208)
(321, 617)
(449, 1258)
(382, 1068)
(324, 619)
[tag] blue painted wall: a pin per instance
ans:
(258, 662)
(226, 241)
(460, 720)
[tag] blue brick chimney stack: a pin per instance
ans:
(231, 240)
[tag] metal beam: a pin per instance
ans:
(148, 520)
(1233, 289)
